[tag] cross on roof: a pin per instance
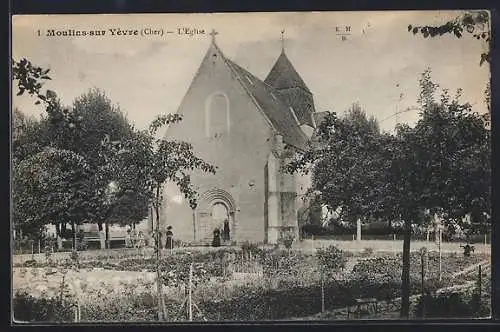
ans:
(282, 40)
(213, 34)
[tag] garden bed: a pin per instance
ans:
(287, 286)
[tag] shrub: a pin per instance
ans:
(82, 245)
(27, 308)
(30, 263)
(247, 247)
(138, 307)
(331, 259)
(449, 305)
(287, 238)
(368, 251)
(378, 266)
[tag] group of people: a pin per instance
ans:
(134, 239)
(216, 242)
(138, 240)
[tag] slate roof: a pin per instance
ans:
(270, 102)
(284, 76)
(302, 103)
(319, 117)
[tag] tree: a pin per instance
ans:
(441, 165)
(348, 155)
(29, 136)
(80, 129)
(98, 120)
(59, 181)
(156, 162)
(457, 172)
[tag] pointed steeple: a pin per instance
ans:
(284, 76)
(293, 91)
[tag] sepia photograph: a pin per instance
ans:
(250, 167)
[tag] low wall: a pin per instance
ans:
(389, 246)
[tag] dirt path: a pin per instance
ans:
(472, 268)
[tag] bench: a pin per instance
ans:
(364, 306)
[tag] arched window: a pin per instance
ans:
(217, 121)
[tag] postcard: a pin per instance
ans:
(249, 167)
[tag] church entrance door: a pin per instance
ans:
(215, 212)
(220, 219)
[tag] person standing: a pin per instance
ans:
(128, 239)
(226, 230)
(216, 240)
(169, 243)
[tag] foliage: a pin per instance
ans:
(331, 259)
(440, 166)
(249, 247)
(27, 308)
(475, 23)
(287, 238)
(349, 154)
(79, 129)
(447, 305)
(29, 77)
(368, 251)
(59, 180)
(29, 136)
(155, 161)
(451, 178)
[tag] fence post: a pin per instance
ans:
(39, 246)
(322, 292)
(422, 271)
(190, 302)
(479, 285)
(439, 244)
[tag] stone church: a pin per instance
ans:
(247, 128)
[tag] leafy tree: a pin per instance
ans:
(80, 129)
(348, 155)
(331, 260)
(441, 166)
(96, 120)
(457, 171)
(155, 162)
(29, 136)
(49, 186)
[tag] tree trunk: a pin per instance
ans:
(108, 246)
(158, 257)
(322, 292)
(99, 226)
(73, 233)
(405, 275)
(58, 229)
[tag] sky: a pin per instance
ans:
(378, 66)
